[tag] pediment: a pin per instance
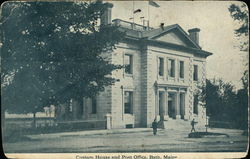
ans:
(171, 37)
(175, 35)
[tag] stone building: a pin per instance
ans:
(163, 67)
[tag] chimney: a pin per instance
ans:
(106, 16)
(194, 34)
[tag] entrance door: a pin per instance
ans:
(171, 105)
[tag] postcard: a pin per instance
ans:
(124, 79)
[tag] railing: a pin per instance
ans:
(43, 122)
(14, 123)
(221, 124)
(130, 25)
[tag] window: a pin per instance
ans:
(195, 109)
(171, 68)
(71, 105)
(195, 75)
(128, 61)
(160, 66)
(181, 69)
(94, 105)
(128, 102)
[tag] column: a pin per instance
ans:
(186, 106)
(177, 105)
(166, 117)
(163, 101)
(157, 105)
(182, 105)
(108, 121)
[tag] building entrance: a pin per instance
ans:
(171, 105)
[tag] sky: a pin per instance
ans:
(216, 35)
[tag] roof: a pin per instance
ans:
(153, 35)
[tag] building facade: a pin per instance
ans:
(163, 68)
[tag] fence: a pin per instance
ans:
(221, 124)
(48, 124)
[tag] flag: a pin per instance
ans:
(152, 3)
(137, 11)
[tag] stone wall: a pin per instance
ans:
(127, 82)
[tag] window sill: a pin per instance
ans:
(161, 77)
(92, 115)
(128, 113)
(181, 79)
(171, 78)
(128, 75)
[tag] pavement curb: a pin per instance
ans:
(90, 132)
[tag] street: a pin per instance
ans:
(141, 140)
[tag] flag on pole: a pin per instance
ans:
(154, 4)
(137, 11)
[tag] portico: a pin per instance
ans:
(170, 102)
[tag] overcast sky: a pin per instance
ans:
(216, 36)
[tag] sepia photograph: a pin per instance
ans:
(124, 79)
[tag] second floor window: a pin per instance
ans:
(171, 68)
(195, 75)
(128, 61)
(160, 66)
(181, 69)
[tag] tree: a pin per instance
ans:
(54, 52)
(240, 14)
(224, 104)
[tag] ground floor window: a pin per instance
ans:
(71, 105)
(128, 102)
(94, 105)
(195, 109)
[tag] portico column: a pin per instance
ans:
(166, 105)
(186, 106)
(177, 105)
(162, 105)
(157, 102)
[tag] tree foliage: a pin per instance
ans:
(53, 52)
(224, 103)
(240, 14)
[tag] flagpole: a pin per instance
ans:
(148, 16)
(133, 12)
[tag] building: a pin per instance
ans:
(163, 67)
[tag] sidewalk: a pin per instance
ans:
(89, 132)
(122, 131)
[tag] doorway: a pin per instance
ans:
(171, 105)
